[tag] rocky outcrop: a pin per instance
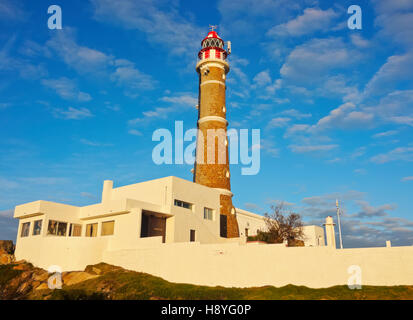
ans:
(19, 279)
(6, 251)
(6, 247)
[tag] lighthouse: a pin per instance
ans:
(212, 160)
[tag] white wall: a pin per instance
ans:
(247, 266)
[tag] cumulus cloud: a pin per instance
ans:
(93, 62)
(385, 134)
(312, 20)
(313, 60)
(278, 122)
(67, 89)
(368, 211)
(72, 113)
(161, 22)
(312, 148)
(397, 154)
(395, 71)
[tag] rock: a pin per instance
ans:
(40, 276)
(72, 278)
(42, 286)
(6, 246)
(22, 266)
(6, 258)
(24, 287)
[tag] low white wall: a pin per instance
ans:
(71, 254)
(235, 265)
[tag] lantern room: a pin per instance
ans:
(213, 47)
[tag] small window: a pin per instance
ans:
(246, 232)
(57, 228)
(208, 214)
(25, 229)
(37, 227)
(192, 236)
(92, 230)
(75, 230)
(108, 228)
(183, 204)
(61, 229)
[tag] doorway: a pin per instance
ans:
(153, 225)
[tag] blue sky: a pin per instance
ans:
(334, 105)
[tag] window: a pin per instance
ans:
(25, 229)
(61, 229)
(208, 214)
(92, 230)
(246, 232)
(57, 228)
(192, 236)
(37, 227)
(108, 228)
(183, 204)
(75, 230)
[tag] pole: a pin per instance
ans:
(339, 224)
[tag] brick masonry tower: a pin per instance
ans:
(212, 159)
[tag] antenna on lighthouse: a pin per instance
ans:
(339, 224)
(212, 28)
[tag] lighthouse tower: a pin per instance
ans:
(212, 160)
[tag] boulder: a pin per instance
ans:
(6, 247)
(6, 258)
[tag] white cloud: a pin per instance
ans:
(312, 148)
(394, 18)
(67, 89)
(184, 99)
(94, 62)
(359, 41)
(397, 154)
(72, 113)
(385, 134)
(128, 76)
(310, 63)
(262, 78)
(135, 132)
(396, 107)
(310, 21)
(410, 178)
(161, 22)
(295, 114)
(94, 143)
(278, 122)
(81, 58)
(394, 71)
(345, 116)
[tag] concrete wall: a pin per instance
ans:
(258, 265)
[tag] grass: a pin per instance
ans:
(123, 284)
(7, 273)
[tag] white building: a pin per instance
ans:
(166, 210)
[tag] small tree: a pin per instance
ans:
(282, 225)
